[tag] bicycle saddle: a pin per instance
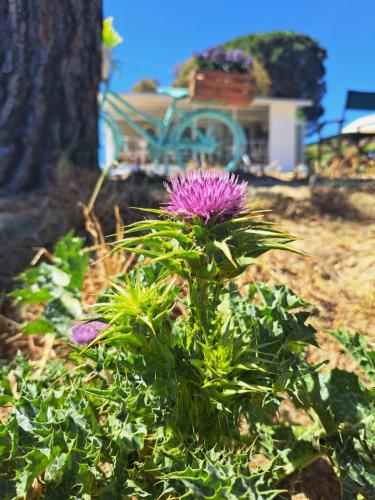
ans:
(174, 92)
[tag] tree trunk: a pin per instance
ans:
(50, 58)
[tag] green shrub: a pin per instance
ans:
(57, 285)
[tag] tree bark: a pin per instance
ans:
(50, 58)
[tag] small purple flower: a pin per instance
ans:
(85, 332)
(206, 194)
(216, 54)
(219, 59)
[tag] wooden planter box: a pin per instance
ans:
(229, 88)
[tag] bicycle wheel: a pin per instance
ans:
(208, 138)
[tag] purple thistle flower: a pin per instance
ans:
(206, 194)
(85, 332)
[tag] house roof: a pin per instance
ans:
(146, 99)
(299, 103)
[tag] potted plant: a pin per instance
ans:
(224, 75)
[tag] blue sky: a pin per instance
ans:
(159, 35)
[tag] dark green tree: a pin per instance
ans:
(294, 62)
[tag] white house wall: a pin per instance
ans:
(109, 154)
(282, 135)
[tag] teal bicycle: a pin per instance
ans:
(200, 138)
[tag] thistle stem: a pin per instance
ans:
(198, 291)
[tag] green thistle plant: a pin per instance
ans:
(205, 235)
(181, 395)
(215, 373)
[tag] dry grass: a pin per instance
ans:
(338, 276)
(41, 218)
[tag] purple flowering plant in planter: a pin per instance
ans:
(218, 59)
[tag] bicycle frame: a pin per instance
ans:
(118, 104)
(163, 126)
(169, 135)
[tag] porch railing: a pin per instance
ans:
(135, 151)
